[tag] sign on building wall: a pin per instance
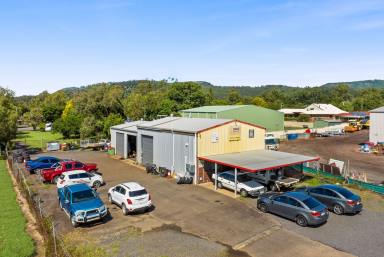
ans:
(214, 137)
(234, 133)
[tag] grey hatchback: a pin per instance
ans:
(300, 207)
(338, 199)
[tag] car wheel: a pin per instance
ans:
(219, 185)
(110, 198)
(96, 184)
(301, 221)
(262, 207)
(338, 209)
(55, 179)
(243, 193)
(61, 205)
(73, 222)
(124, 209)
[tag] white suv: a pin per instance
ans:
(79, 177)
(245, 184)
(130, 196)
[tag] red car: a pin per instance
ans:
(52, 175)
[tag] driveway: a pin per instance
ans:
(211, 222)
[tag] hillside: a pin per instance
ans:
(359, 84)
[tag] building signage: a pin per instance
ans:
(234, 133)
(214, 137)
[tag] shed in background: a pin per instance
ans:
(272, 120)
(376, 129)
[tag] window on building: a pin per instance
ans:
(251, 133)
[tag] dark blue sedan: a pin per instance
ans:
(42, 162)
(338, 199)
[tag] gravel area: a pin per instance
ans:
(342, 148)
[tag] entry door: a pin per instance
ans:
(119, 144)
(147, 149)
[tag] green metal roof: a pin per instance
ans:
(214, 108)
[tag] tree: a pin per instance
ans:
(259, 101)
(53, 106)
(112, 120)
(34, 117)
(70, 122)
(8, 117)
(187, 95)
(234, 97)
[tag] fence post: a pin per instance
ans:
(54, 237)
(41, 214)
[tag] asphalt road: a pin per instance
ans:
(361, 234)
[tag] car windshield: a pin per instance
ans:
(55, 165)
(83, 196)
(344, 192)
(243, 178)
(270, 141)
(62, 176)
(311, 203)
(138, 193)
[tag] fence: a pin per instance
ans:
(368, 186)
(54, 245)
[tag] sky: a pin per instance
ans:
(48, 45)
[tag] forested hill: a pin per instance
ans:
(359, 84)
(244, 91)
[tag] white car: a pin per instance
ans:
(245, 184)
(130, 196)
(79, 177)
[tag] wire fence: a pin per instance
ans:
(54, 244)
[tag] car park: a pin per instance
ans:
(338, 199)
(42, 162)
(245, 184)
(300, 207)
(53, 174)
(131, 197)
(79, 176)
(81, 203)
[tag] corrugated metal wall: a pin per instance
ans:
(376, 130)
(207, 147)
(113, 138)
(120, 144)
(164, 155)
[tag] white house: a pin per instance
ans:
(376, 130)
(316, 110)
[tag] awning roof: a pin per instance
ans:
(258, 160)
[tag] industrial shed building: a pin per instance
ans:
(270, 119)
(124, 138)
(190, 146)
(376, 130)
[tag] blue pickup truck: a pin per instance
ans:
(81, 203)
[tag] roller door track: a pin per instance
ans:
(147, 149)
(120, 144)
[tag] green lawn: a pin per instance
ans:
(40, 139)
(14, 240)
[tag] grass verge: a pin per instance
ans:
(14, 240)
(39, 139)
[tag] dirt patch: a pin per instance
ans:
(32, 227)
(344, 148)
